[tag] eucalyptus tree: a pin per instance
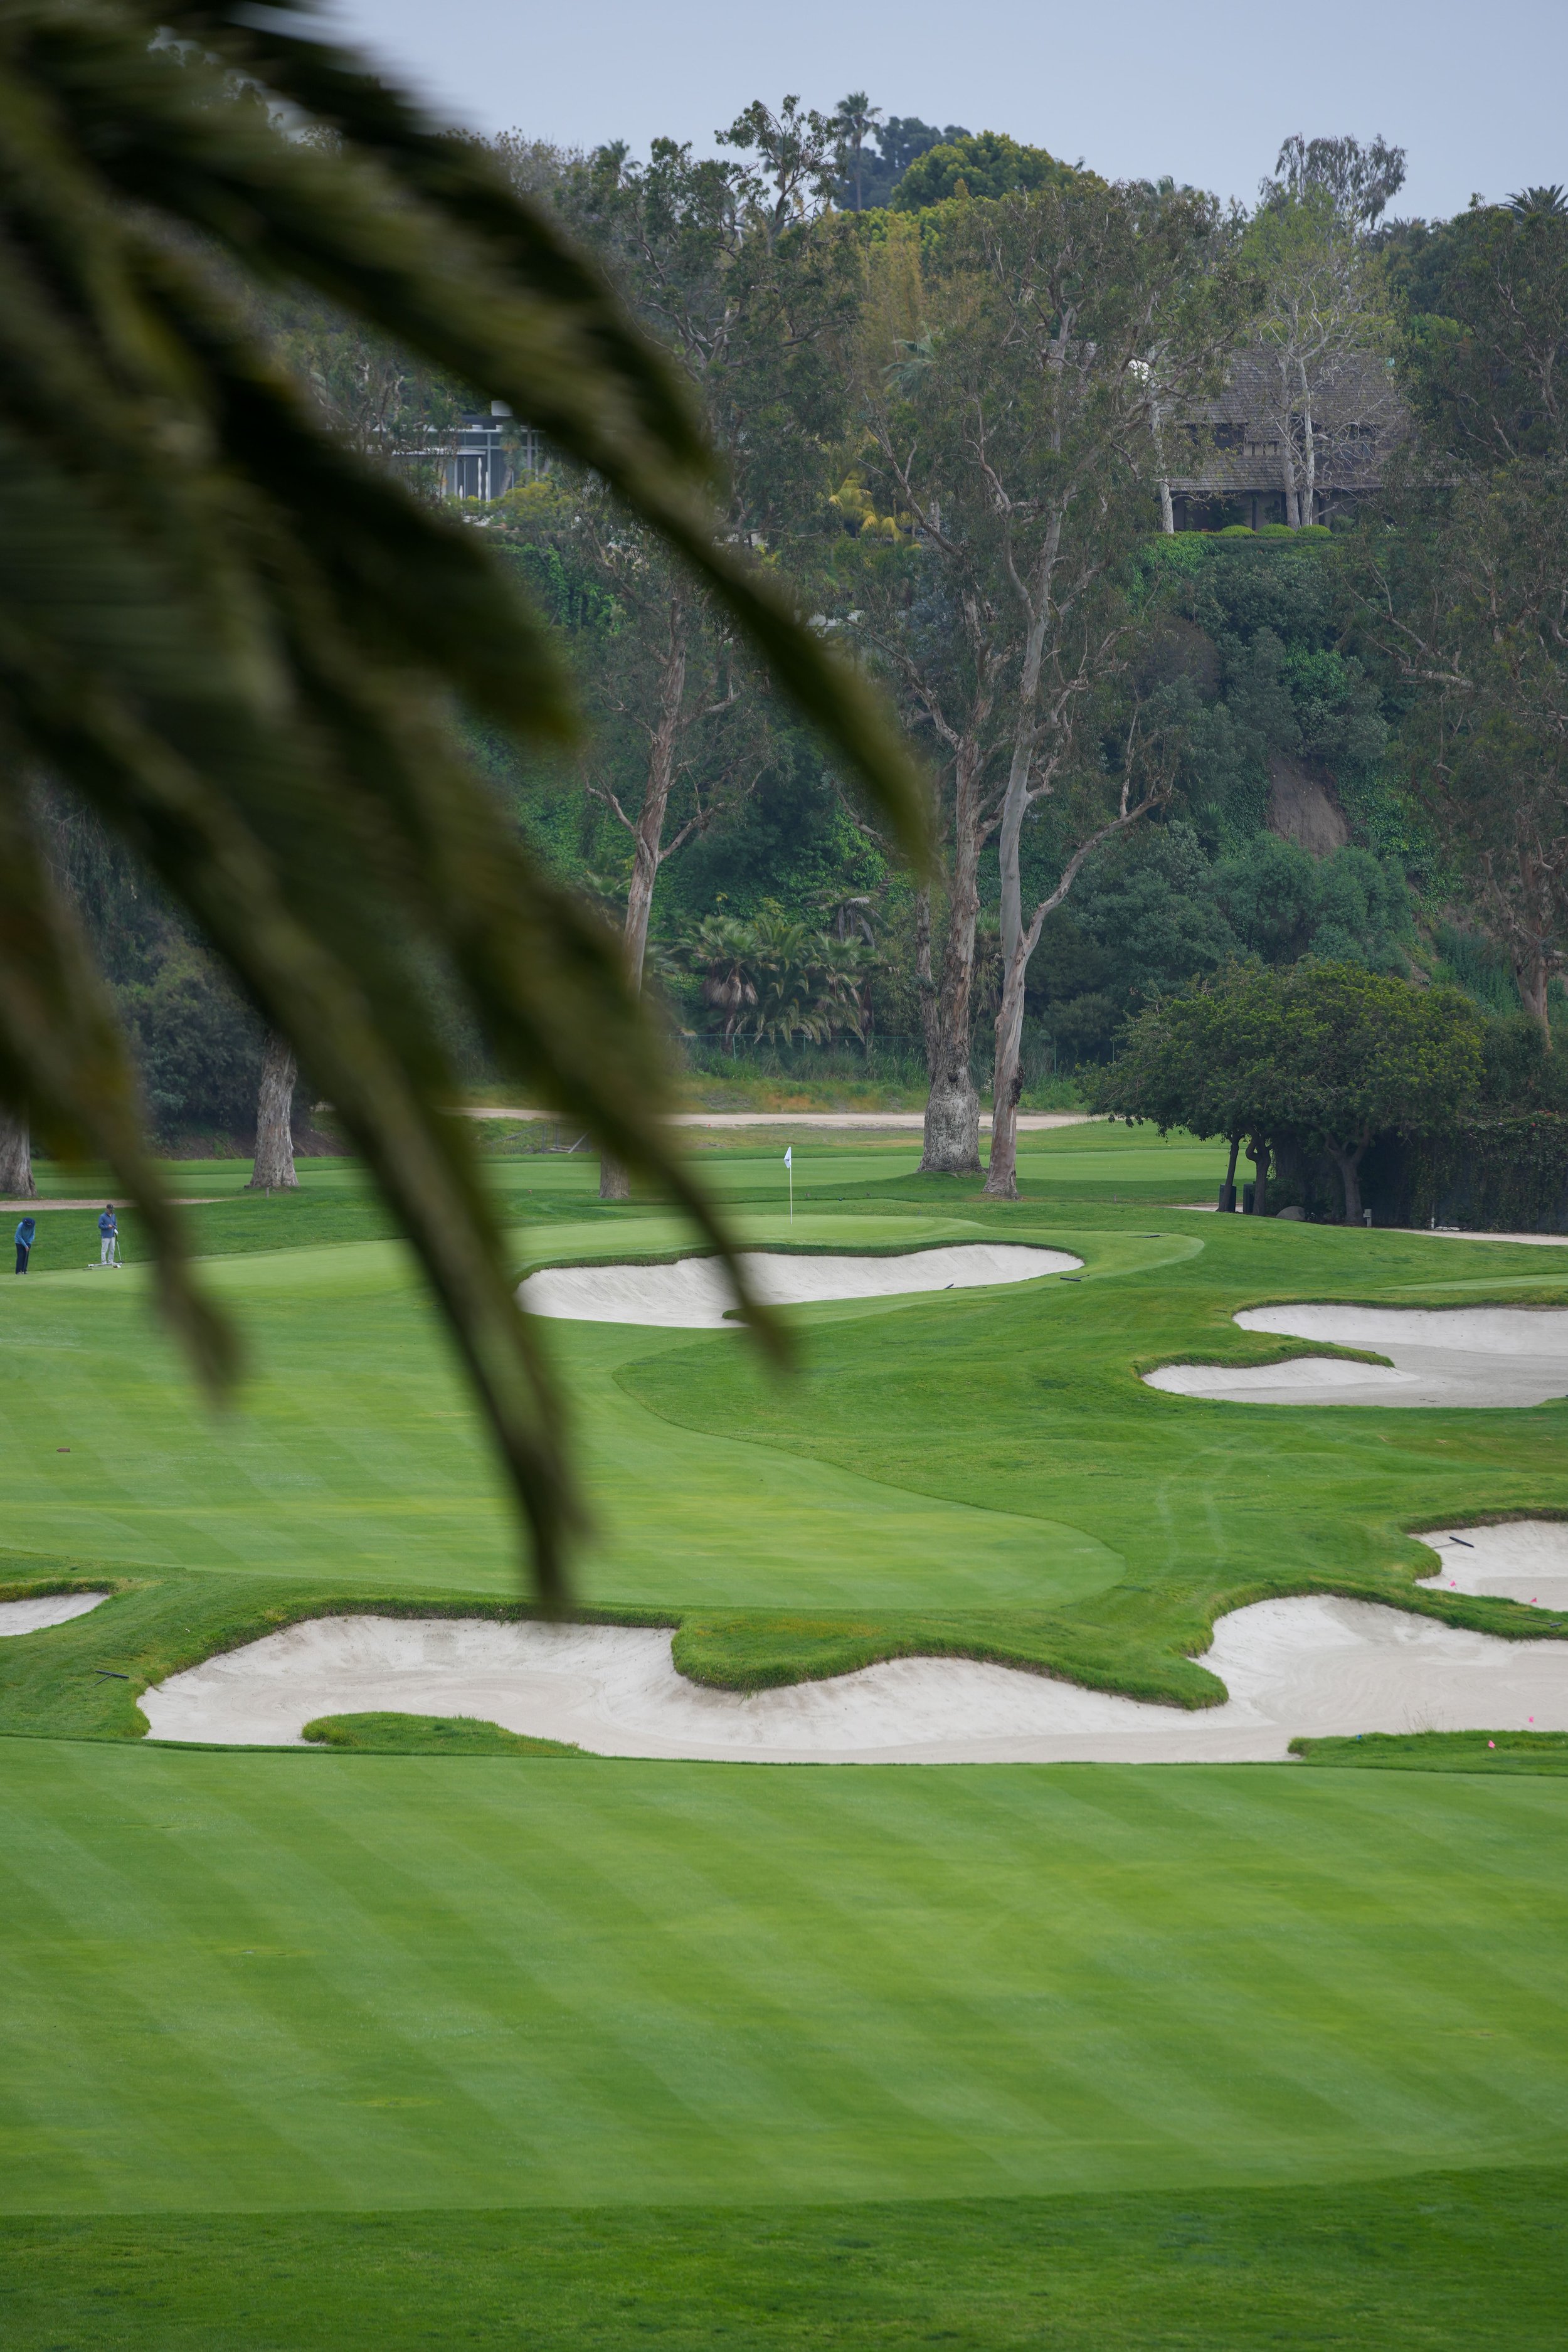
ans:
(1011, 441)
(716, 257)
(680, 720)
(245, 649)
(1325, 330)
(1358, 180)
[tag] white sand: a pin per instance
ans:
(1030, 1122)
(1310, 1665)
(1525, 1561)
(50, 1609)
(1473, 1356)
(694, 1294)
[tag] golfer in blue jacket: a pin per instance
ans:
(25, 1233)
(107, 1237)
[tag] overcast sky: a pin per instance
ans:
(1205, 91)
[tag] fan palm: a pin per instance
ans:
(245, 648)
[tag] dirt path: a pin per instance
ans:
(41, 1208)
(1032, 1121)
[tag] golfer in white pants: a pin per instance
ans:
(107, 1237)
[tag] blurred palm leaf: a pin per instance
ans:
(245, 648)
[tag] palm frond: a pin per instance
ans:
(242, 646)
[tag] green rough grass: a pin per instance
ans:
(1455, 2261)
(275, 1982)
(426, 1735)
(1441, 1752)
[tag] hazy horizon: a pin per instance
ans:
(1135, 92)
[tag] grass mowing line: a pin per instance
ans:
(1438, 2261)
(234, 1983)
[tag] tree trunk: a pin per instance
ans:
(952, 1143)
(1286, 427)
(1007, 1082)
(648, 840)
(1228, 1190)
(1018, 945)
(1257, 1152)
(1531, 976)
(930, 1030)
(1002, 1177)
(273, 1169)
(1157, 429)
(1349, 1166)
(16, 1159)
(1308, 457)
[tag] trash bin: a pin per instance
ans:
(1248, 1196)
(1227, 1198)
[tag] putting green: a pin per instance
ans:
(325, 1981)
(352, 1456)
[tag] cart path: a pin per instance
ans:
(1030, 1121)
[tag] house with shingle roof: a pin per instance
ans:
(1242, 458)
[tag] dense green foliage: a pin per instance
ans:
(1505, 1173)
(989, 164)
(1463, 589)
(1262, 666)
(1318, 1058)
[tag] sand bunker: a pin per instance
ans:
(695, 1294)
(1310, 1665)
(1526, 1561)
(1484, 1356)
(49, 1609)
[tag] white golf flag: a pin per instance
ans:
(789, 1155)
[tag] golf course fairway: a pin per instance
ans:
(344, 2050)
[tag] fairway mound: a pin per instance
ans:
(1313, 1666)
(1470, 1356)
(695, 1294)
(1525, 1561)
(49, 1609)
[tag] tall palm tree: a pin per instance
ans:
(244, 647)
